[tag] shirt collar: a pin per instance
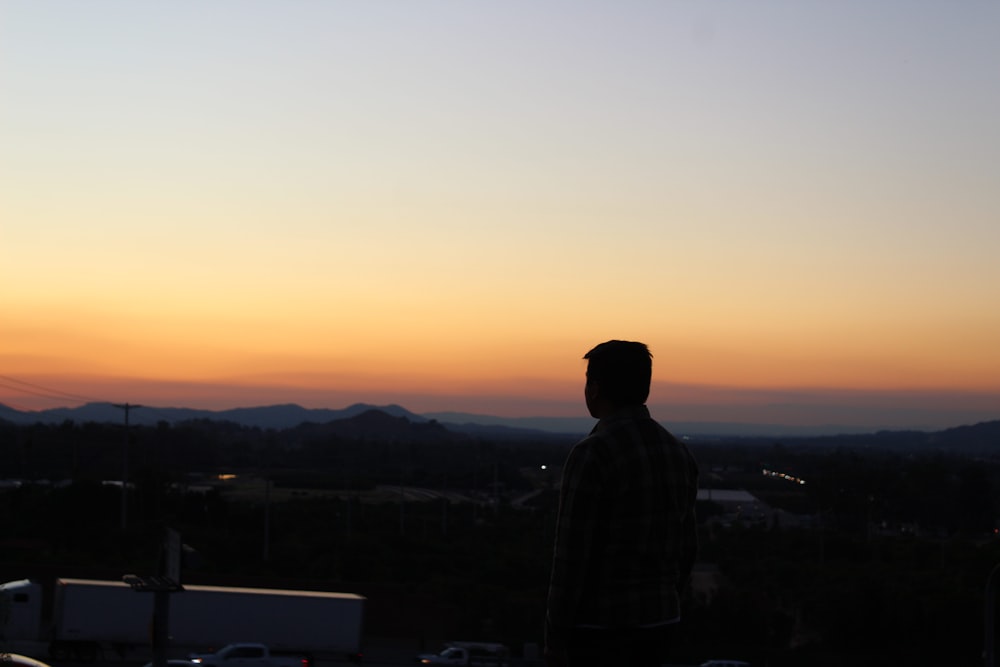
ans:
(630, 412)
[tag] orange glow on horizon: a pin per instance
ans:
(207, 227)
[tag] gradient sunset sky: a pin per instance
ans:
(445, 204)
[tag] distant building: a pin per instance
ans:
(740, 506)
(736, 504)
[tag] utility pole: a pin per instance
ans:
(267, 517)
(166, 582)
(126, 407)
(992, 585)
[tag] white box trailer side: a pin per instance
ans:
(103, 611)
(314, 621)
(89, 616)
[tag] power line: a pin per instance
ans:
(33, 389)
(44, 392)
(27, 391)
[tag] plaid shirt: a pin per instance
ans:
(625, 537)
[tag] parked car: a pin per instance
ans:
(468, 654)
(249, 655)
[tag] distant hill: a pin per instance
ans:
(376, 424)
(513, 426)
(975, 439)
(985, 435)
(288, 416)
(270, 416)
(580, 426)
(353, 421)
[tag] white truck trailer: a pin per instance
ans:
(82, 619)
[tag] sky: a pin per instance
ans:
(445, 204)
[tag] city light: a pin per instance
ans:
(785, 476)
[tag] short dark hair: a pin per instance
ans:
(623, 369)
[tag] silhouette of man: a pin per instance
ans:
(625, 536)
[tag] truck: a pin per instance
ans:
(83, 619)
(250, 655)
(468, 654)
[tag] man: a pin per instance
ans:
(625, 536)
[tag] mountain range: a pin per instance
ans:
(288, 416)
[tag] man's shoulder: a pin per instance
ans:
(631, 422)
(589, 443)
(641, 429)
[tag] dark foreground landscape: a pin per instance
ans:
(861, 550)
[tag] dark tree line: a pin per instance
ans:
(310, 455)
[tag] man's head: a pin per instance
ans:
(618, 375)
